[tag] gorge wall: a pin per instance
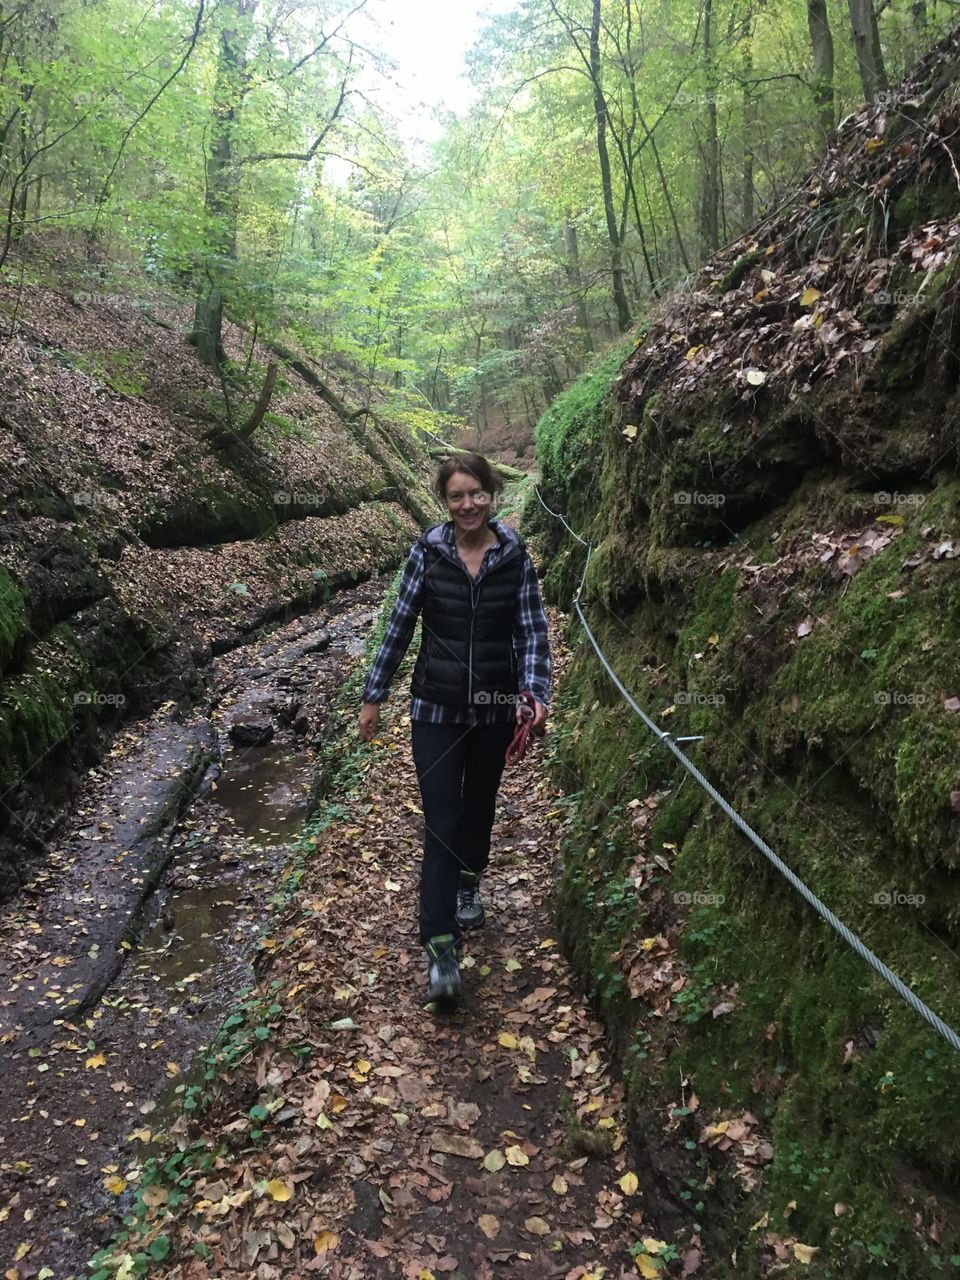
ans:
(134, 542)
(769, 476)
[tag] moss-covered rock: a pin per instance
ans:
(729, 589)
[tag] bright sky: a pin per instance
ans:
(427, 39)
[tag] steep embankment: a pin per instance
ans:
(771, 486)
(133, 545)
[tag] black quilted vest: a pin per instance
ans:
(466, 651)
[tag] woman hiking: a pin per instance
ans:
(483, 641)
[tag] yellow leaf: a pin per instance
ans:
(489, 1225)
(809, 297)
(364, 1067)
(116, 1186)
(279, 1190)
(897, 521)
(713, 638)
(648, 944)
(22, 1251)
(560, 1185)
(173, 1069)
(98, 1060)
(653, 1246)
(628, 1184)
(325, 1242)
(872, 145)
(494, 1161)
(517, 1156)
(139, 1135)
(630, 431)
(647, 1267)
(693, 353)
(508, 1040)
(805, 1253)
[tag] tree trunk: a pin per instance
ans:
(866, 42)
(751, 125)
(616, 243)
(709, 198)
(262, 405)
(821, 40)
(222, 197)
(572, 266)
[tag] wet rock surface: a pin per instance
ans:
(108, 990)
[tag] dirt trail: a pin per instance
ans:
(361, 1135)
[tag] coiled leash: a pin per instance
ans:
(518, 743)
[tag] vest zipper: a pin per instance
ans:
(474, 594)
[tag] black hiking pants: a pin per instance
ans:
(459, 769)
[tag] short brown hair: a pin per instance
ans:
(474, 464)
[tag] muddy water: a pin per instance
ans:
(86, 1093)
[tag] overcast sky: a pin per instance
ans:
(427, 39)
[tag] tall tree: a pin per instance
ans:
(866, 42)
(821, 40)
(709, 195)
(614, 232)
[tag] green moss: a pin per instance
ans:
(13, 616)
(122, 371)
(739, 270)
(568, 436)
(38, 708)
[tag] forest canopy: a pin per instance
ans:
(244, 154)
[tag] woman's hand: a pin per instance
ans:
(367, 724)
(537, 724)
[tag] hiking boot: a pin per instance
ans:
(443, 974)
(470, 913)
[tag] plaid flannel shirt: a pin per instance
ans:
(530, 633)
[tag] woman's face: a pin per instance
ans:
(468, 510)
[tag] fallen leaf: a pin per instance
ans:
(277, 1189)
(456, 1144)
(489, 1225)
(805, 1253)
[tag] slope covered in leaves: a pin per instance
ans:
(771, 486)
(134, 538)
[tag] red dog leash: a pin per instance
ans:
(518, 743)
